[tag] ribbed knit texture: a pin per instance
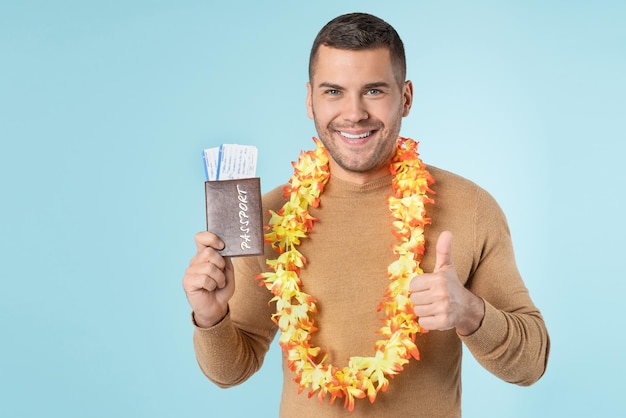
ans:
(348, 253)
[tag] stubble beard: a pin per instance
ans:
(371, 160)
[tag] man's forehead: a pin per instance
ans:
(344, 63)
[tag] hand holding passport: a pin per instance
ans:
(233, 199)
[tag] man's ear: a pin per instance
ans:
(309, 100)
(407, 98)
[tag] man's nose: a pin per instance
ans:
(354, 110)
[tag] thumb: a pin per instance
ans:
(444, 251)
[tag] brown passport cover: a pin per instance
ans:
(234, 213)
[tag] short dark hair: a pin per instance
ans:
(359, 31)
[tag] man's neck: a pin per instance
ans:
(357, 177)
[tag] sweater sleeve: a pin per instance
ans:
(233, 350)
(225, 354)
(512, 341)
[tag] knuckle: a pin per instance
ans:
(204, 234)
(213, 270)
(201, 237)
(446, 305)
(210, 284)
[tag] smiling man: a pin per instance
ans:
(357, 103)
(362, 236)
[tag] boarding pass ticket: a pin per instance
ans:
(230, 161)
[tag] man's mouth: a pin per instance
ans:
(355, 136)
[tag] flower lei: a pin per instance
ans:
(363, 376)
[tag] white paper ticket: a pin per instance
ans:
(230, 161)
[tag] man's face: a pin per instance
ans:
(357, 106)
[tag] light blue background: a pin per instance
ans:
(105, 107)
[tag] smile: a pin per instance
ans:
(352, 136)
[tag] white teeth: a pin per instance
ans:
(350, 136)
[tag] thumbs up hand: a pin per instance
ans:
(440, 301)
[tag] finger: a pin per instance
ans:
(208, 278)
(215, 269)
(420, 299)
(208, 239)
(208, 255)
(419, 283)
(444, 251)
(427, 299)
(434, 323)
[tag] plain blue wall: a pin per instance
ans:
(105, 107)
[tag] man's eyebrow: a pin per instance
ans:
(328, 85)
(374, 85)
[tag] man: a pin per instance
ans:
(471, 291)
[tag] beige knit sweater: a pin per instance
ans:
(348, 253)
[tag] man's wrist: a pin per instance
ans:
(473, 318)
(206, 323)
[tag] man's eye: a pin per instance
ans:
(373, 92)
(332, 92)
